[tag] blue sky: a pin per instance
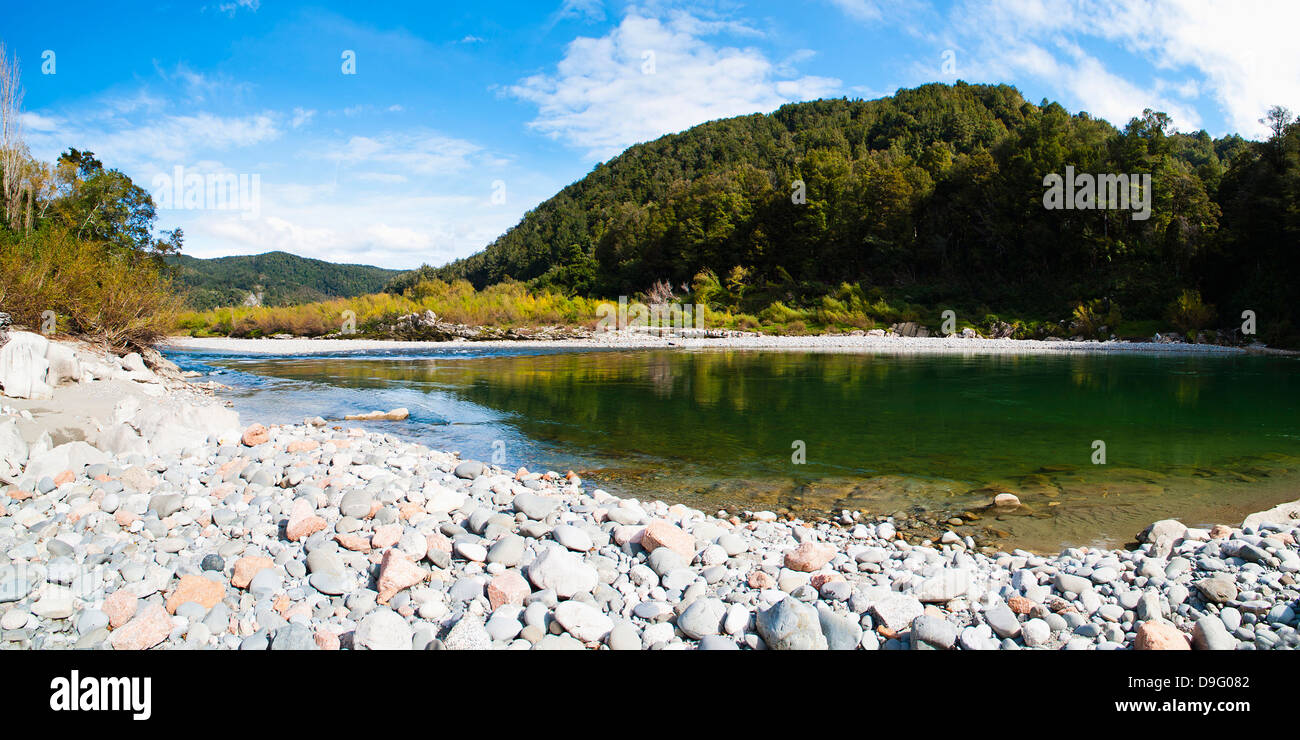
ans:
(462, 116)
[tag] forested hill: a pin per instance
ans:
(935, 195)
(282, 279)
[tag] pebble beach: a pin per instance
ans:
(137, 511)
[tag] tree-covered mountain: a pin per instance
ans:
(934, 195)
(271, 279)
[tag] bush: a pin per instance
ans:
(110, 295)
(1095, 318)
(1188, 312)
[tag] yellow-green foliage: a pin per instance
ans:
(1092, 317)
(105, 294)
(1188, 312)
(502, 305)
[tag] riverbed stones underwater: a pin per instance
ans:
(304, 535)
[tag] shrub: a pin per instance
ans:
(1188, 312)
(117, 297)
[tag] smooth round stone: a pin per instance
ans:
(934, 632)
(733, 544)
(265, 583)
(59, 548)
(255, 641)
(471, 551)
(702, 618)
(503, 628)
(836, 590)
(15, 619)
(717, 642)
(623, 637)
(572, 537)
(466, 589)
(213, 562)
(191, 610)
(507, 551)
(1104, 575)
(329, 583)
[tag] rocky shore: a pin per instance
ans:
(158, 519)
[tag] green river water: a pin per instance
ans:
(1201, 438)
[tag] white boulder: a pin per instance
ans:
(23, 366)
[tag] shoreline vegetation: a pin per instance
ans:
(187, 527)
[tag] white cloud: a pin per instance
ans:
(301, 117)
(648, 77)
(592, 10)
(161, 141)
(233, 7)
(859, 10)
(420, 152)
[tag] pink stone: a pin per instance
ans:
(302, 445)
(199, 589)
(303, 521)
(255, 435)
(809, 556)
(507, 588)
(150, 627)
(120, 607)
(397, 572)
(386, 535)
(246, 568)
(625, 533)
(821, 579)
(660, 533)
(1160, 635)
(353, 542)
(326, 640)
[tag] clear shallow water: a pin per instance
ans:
(1203, 439)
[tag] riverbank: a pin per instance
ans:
(639, 340)
(172, 523)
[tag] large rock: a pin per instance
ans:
(71, 456)
(23, 367)
(791, 625)
(562, 572)
(1287, 514)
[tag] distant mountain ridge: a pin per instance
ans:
(271, 279)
